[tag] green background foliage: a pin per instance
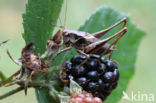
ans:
(139, 12)
(37, 21)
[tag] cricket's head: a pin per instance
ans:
(73, 36)
(54, 43)
(66, 38)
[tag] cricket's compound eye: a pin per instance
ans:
(66, 39)
(49, 50)
(48, 42)
(65, 34)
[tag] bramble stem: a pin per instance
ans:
(11, 93)
(31, 84)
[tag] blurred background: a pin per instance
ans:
(142, 13)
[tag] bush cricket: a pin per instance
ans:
(85, 43)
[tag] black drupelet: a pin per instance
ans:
(98, 75)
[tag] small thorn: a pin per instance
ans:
(4, 42)
(25, 91)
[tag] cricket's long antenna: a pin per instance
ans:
(12, 58)
(58, 26)
(65, 18)
(55, 11)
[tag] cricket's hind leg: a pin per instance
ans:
(120, 34)
(94, 47)
(101, 33)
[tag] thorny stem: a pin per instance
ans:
(42, 83)
(11, 92)
(31, 84)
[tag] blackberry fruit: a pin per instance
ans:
(97, 76)
(82, 81)
(108, 77)
(116, 74)
(93, 75)
(78, 71)
(78, 59)
(100, 84)
(114, 85)
(101, 69)
(92, 86)
(92, 64)
(71, 77)
(111, 65)
(68, 65)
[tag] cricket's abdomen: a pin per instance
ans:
(98, 47)
(100, 51)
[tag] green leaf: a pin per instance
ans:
(127, 46)
(43, 96)
(37, 28)
(2, 76)
(37, 21)
(4, 80)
